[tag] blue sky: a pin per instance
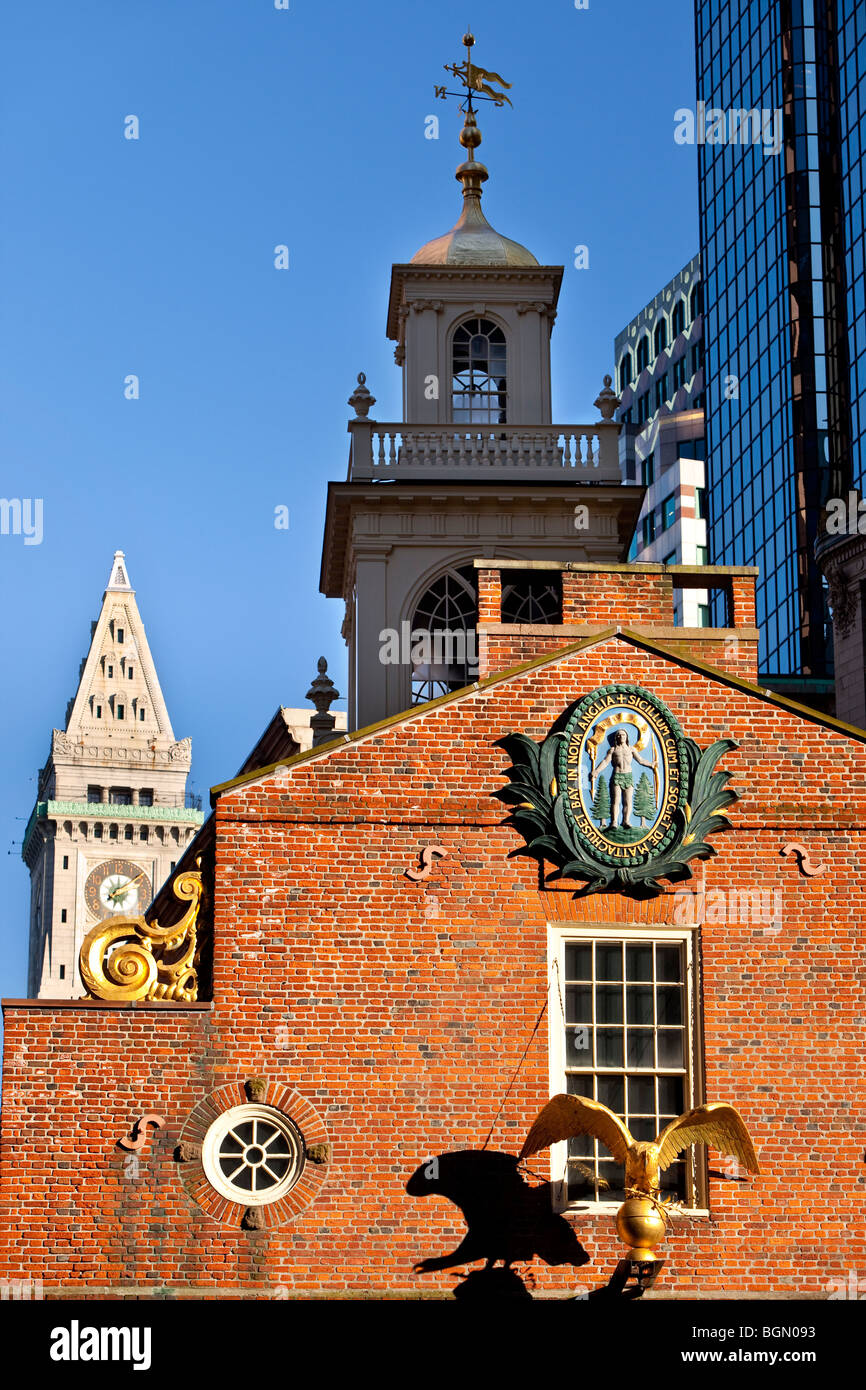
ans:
(155, 257)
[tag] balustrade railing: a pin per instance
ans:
(585, 453)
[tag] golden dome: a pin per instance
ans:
(472, 241)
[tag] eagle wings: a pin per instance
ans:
(719, 1125)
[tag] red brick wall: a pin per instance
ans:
(743, 601)
(489, 596)
(734, 653)
(617, 596)
(639, 600)
(401, 1010)
(504, 646)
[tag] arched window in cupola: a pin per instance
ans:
(479, 376)
(444, 656)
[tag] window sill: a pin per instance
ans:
(611, 1208)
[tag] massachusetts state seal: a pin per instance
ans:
(616, 794)
(622, 766)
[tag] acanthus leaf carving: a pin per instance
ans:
(843, 602)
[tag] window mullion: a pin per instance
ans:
(641, 1106)
(593, 989)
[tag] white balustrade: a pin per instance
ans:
(565, 452)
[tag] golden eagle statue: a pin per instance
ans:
(720, 1125)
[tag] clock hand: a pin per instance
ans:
(118, 897)
(120, 893)
(125, 887)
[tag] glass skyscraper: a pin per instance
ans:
(852, 109)
(659, 372)
(779, 122)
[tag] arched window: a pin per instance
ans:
(696, 301)
(444, 655)
(660, 336)
(531, 596)
(625, 371)
(678, 319)
(479, 374)
(643, 352)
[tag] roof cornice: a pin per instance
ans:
(403, 273)
(343, 496)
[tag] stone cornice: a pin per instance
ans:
(636, 567)
(715, 674)
(97, 749)
(510, 274)
(499, 283)
(846, 555)
(56, 810)
(51, 810)
(346, 500)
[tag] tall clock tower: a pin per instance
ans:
(111, 818)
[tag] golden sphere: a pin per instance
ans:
(468, 40)
(640, 1224)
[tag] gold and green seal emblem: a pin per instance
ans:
(616, 794)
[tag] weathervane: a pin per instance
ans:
(476, 80)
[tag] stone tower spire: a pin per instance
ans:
(119, 696)
(111, 805)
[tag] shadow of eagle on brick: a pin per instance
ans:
(507, 1219)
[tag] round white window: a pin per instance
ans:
(252, 1154)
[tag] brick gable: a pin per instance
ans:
(401, 1011)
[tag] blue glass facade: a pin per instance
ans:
(778, 262)
(852, 106)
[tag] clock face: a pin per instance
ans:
(117, 888)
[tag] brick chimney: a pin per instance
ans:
(635, 598)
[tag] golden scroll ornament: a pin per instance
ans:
(130, 958)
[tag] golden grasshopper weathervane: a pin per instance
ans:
(476, 80)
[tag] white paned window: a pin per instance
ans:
(252, 1154)
(622, 1032)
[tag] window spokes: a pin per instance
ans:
(444, 656)
(479, 387)
(532, 597)
(253, 1154)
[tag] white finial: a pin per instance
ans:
(119, 577)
